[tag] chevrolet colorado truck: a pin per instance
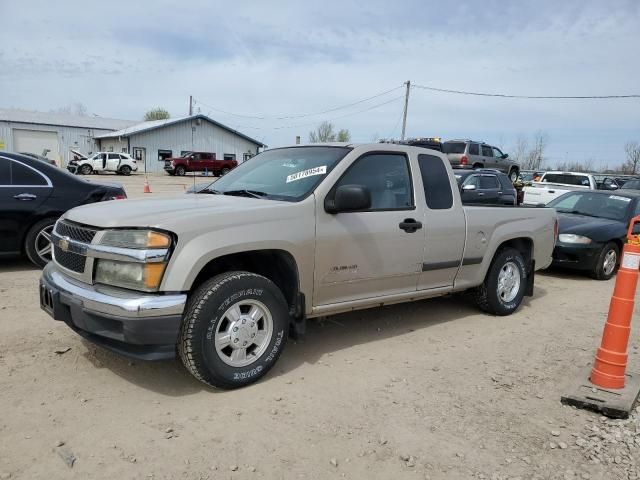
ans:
(222, 277)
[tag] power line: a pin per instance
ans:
(299, 115)
(315, 123)
(548, 97)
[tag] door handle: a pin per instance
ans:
(480, 194)
(552, 191)
(410, 225)
(25, 196)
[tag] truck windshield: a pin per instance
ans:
(288, 174)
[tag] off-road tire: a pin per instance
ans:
(477, 166)
(125, 170)
(513, 175)
(30, 241)
(85, 170)
(486, 295)
(180, 171)
(598, 272)
(206, 307)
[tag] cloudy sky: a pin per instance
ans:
(266, 60)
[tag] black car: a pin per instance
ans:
(485, 186)
(592, 229)
(33, 194)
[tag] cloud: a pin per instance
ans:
(269, 58)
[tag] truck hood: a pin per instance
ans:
(179, 213)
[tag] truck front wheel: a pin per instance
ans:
(505, 284)
(233, 330)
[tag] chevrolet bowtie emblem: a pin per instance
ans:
(63, 243)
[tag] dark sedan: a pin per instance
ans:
(592, 229)
(33, 194)
(485, 186)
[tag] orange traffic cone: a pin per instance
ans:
(610, 389)
(611, 358)
(146, 189)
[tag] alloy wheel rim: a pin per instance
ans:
(610, 260)
(243, 333)
(43, 243)
(508, 282)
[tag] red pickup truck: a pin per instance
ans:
(198, 162)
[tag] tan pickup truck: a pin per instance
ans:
(223, 276)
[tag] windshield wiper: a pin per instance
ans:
(578, 212)
(246, 193)
(210, 190)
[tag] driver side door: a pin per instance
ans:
(368, 253)
(99, 161)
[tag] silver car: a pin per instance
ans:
(472, 154)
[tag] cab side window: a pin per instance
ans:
(386, 176)
(487, 151)
(474, 149)
(435, 180)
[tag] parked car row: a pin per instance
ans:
(226, 295)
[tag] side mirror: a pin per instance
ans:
(505, 155)
(468, 188)
(349, 198)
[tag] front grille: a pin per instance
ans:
(167, 163)
(69, 260)
(75, 232)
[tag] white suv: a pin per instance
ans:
(120, 163)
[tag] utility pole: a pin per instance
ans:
(190, 105)
(406, 107)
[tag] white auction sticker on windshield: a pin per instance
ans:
(616, 197)
(307, 173)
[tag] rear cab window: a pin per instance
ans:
(454, 147)
(567, 179)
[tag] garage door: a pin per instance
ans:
(36, 141)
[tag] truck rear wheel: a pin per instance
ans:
(233, 330)
(505, 284)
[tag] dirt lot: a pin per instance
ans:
(432, 389)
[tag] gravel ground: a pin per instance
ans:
(428, 390)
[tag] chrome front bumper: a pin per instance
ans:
(114, 301)
(139, 325)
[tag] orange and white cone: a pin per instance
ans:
(146, 189)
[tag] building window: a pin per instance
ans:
(229, 156)
(111, 148)
(124, 150)
(246, 156)
(163, 154)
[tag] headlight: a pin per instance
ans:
(137, 239)
(572, 238)
(117, 270)
(136, 276)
